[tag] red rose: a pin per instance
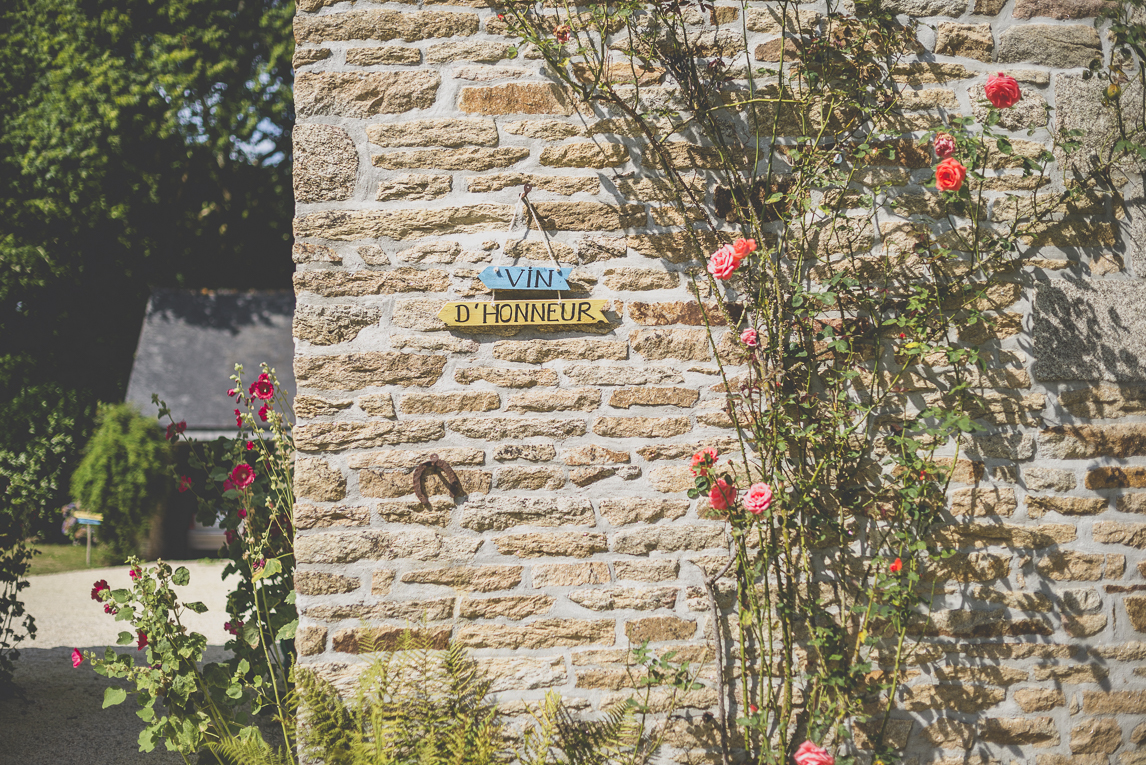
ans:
(896, 567)
(722, 495)
(262, 388)
(242, 476)
(949, 175)
(1002, 91)
(703, 460)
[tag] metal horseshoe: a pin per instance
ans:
(439, 465)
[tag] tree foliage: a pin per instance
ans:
(124, 475)
(142, 144)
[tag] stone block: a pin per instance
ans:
(316, 479)
(1059, 46)
(1095, 330)
(545, 633)
(1105, 401)
(656, 629)
(468, 578)
(512, 607)
(383, 25)
(628, 510)
(567, 545)
(515, 98)
(591, 154)
(681, 344)
(541, 351)
(307, 516)
(345, 94)
(558, 184)
(1061, 9)
(352, 225)
(414, 187)
(1039, 699)
(528, 452)
(642, 541)
(383, 55)
(361, 283)
(1116, 478)
(507, 428)
(1020, 731)
(641, 427)
(1096, 736)
(325, 163)
(583, 374)
(363, 639)
(331, 324)
(652, 570)
(1039, 505)
(581, 399)
(1066, 442)
(570, 574)
(625, 598)
(311, 640)
(354, 371)
(506, 378)
(485, 513)
(965, 40)
(472, 159)
(321, 583)
(658, 314)
(338, 436)
(983, 501)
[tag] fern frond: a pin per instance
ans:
(249, 751)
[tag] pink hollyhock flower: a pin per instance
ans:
(750, 337)
(703, 459)
(77, 658)
(250, 445)
(228, 484)
(944, 145)
(742, 247)
(896, 566)
(242, 513)
(723, 262)
(758, 498)
(242, 476)
(231, 391)
(184, 484)
(99, 587)
(810, 754)
(949, 175)
(233, 627)
(135, 574)
(723, 495)
(262, 388)
(263, 412)
(140, 640)
(1002, 91)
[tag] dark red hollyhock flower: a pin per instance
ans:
(184, 483)
(176, 429)
(263, 412)
(99, 587)
(233, 627)
(238, 419)
(262, 388)
(135, 573)
(140, 640)
(242, 476)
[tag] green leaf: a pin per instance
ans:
(113, 696)
(125, 638)
(270, 568)
(197, 607)
(181, 576)
(286, 632)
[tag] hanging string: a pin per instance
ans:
(544, 235)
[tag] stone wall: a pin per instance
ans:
(417, 126)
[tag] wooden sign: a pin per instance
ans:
(509, 313)
(514, 278)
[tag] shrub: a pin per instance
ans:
(15, 557)
(124, 475)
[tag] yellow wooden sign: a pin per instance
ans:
(520, 312)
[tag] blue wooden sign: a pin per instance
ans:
(514, 278)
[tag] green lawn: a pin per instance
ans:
(53, 559)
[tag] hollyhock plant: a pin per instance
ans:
(99, 587)
(723, 262)
(1002, 91)
(184, 484)
(242, 476)
(750, 337)
(944, 145)
(949, 175)
(810, 754)
(722, 495)
(758, 498)
(77, 658)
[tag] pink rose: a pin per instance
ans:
(723, 262)
(810, 754)
(758, 498)
(242, 476)
(944, 145)
(722, 495)
(703, 460)
(742, 247)
(1002, 91)
(750, 338)
(77, 658)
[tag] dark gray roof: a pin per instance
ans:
(191, 341)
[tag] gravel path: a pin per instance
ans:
(55, 716)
